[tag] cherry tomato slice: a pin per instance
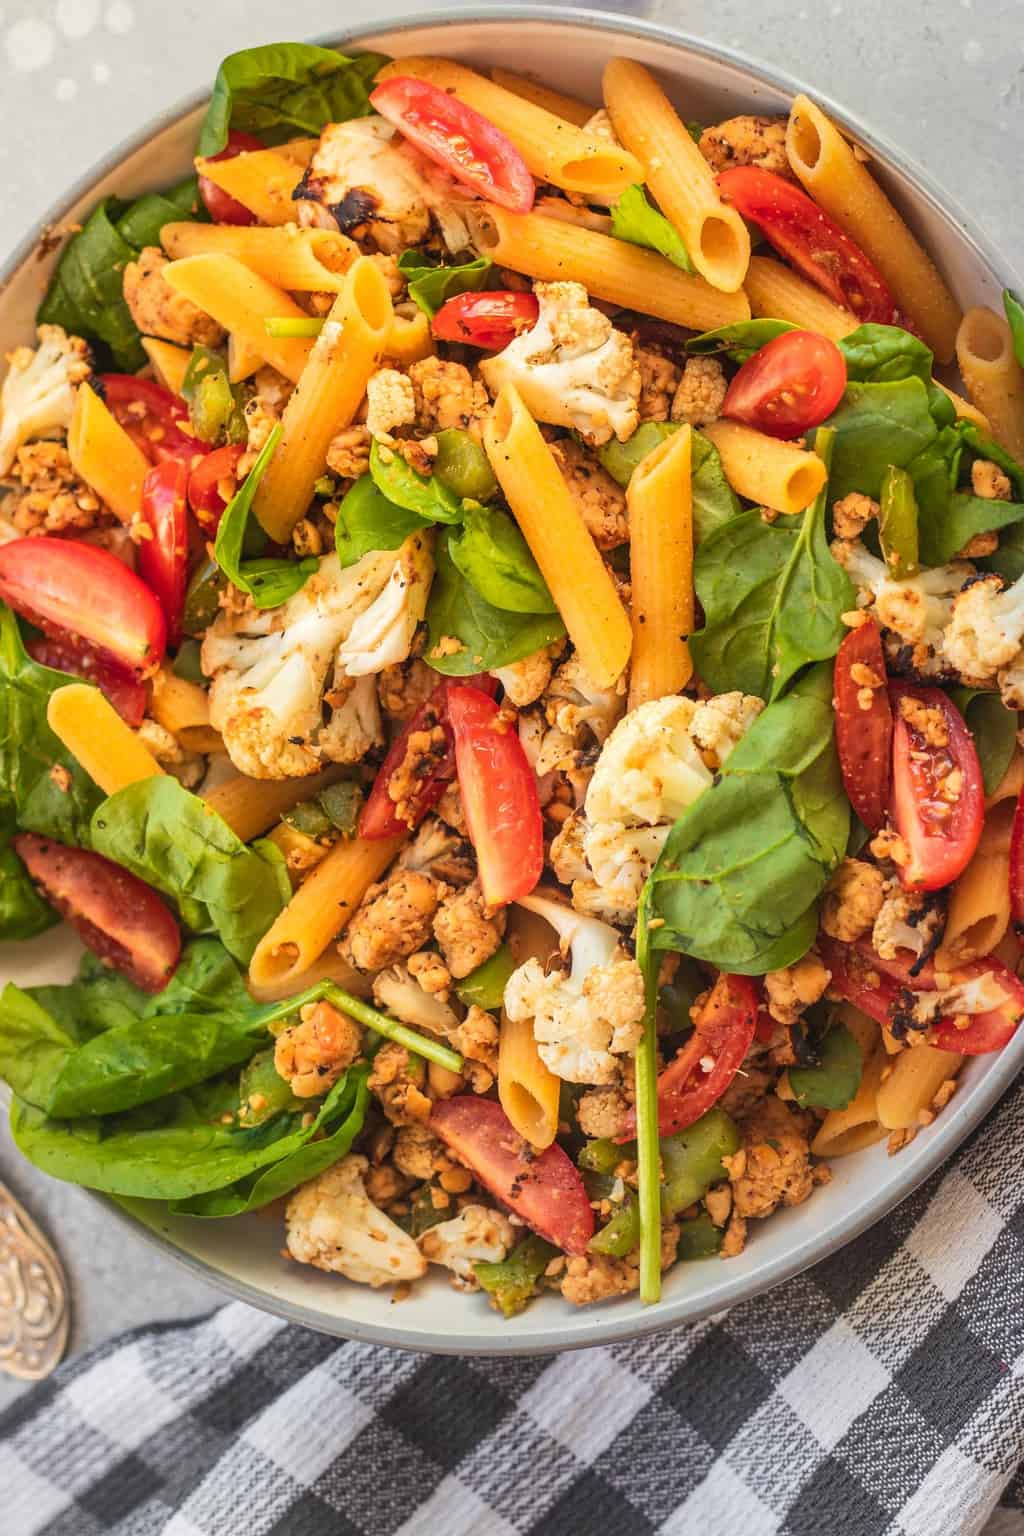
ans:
(814, 243)
(488, 320)
(457, 138)
(545, 1189)
(857, 975)
(499, 796)
(64, 653)
(213, 475)
(939, 817)
(790, 384)
(152, 417)
(864, 723)
(114, 913)
(220, 205)
(65, 587)
(1017, 868)
(163, 558)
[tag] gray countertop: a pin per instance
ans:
(942, 78)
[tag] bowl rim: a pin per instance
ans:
(605, 1328)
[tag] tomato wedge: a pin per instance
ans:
(545, 1189)
(858, 977)
(790, 384)
(799, 230)
(702, 1070)
(152, 417)
(939, 818)
(488, 320)
(114, 913)
(458, 139)
(67, 588)
(212, 477)
(864, 723)
(64, 653)
(499, 796)
(163, 557)
(1017, 868)
(220, 205)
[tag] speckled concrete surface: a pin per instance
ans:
(942, 78)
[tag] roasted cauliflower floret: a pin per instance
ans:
(332, 1224)
(989, 481)
(392, 921)
(390, 403)
(720, 723)
(773, 1166)
(38, 394)
(158, 310)
(475, 1234)
(701, 392)
(312, 1054)
(918, 1010)
(748, 140)
(446, 395)
(382, 634)
(916, 608)
(907, 920)
(599, 500)
(187, 767)
(792, 990)
(986, 630)
(650, 768)
(397, 991)
(659, 380)
(467, 933)
(439, 850)
(852, 901)
(572, 369)
(602, 1112)
(524, 681)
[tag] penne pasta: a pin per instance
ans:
(262, 180)
(319, 910)
(528, 1091)
(841, 184)
(914, 1078)
(776, 292)
(979, 905)
(677, 173)
(555, 151)
(299, 851)
(409, 339)
(965, 410)
(567, 107)
(557, 535)
(243, 359)
(298, 260)
(183, 708)
(555, 250)
(104, 456)
(329, 967)
(1011, 783)
(169, 363)
(775, 474)
(250, 806)
(857, 1126)
(94, 733)
(328, 394)
(241, 301)
(660, 506)
(993, 377)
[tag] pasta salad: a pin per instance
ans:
(510, 659)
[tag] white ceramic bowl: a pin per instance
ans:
(567, 50)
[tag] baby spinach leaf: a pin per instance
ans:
(884, 354)
(635, 220)
(740, 873)
(23, 912)
(714, 500)
(740, 341)
(491, 553)
(834, 1081)
(269, 582)
(486, 636)
(773, 596)
(142, 220)
(1015, 320)
(281, 90)
(159, 831)
(877, 425)
(994, 728)
(425, 495)
(430, 286)
(983, 447)
(367, 520)
(1008, 559)
(965, 516)
(948, 518)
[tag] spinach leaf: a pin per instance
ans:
(948, 518)
(834, 1081)
(30, 752)
(283, 89)
(1008, 559)
(269, 582)
(877, 425)
(739, 876)
(23, 912)
(491, 553)
(159, 831)
(142, 220)
(965, 516)
(994, 728)
(740, 341)
(467, 634)
(425, 495)
(430, 286)
(714, 500)
(884, 354)
(1015, 320)
(367, 520)
(773, 596)
(983, 447)
(634, 220)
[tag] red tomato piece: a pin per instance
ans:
(857, 976)
(66, 654)
(790, 385)
(215, 474)
(152, 417)
(864, 735)
(499, 796)
(1017, 868)
(800, 230)
(941, 829)
(163, 558)
(114, 913)
(65, 587)
(488, 320)
(545, 1189)
(220, 205)
(457, 138)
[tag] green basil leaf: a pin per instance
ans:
(1015, 320)
(491, 553)
(367, 521)
(740, 341)
(431, 286)
(994, 728)
(485, 636)
(281, 90)
(425, 495)
(269, 582)
(636, 221)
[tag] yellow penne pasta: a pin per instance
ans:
(914, 1078)
(557, 251)
(660, 505)
(104, 456)
(169, 363)
(241, 301)
(778, 293)
(250, 806)
(183, 708)
(319, 910)
(557, 535)
(979, 905)
(566, 107)
(993, 376)
(329, 967)
(299, 151)
(262, 180)
(300, 852)
(327, 397)
(299, 260)
(409, 339)
(965, 410)
(555, 151)
(677, 173)
(94, 733)
(527, 1089)
(841, 183)
(773, 473)
(243, 359)
(857, 1126)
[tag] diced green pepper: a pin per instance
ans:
(604, 1155)
(341, 804)
(836, 1078)
(486, 985)
(263, 1093)
(511, 1282)
(463, 465)
(897, 522)
(692, 1159)
(621, 1233)
(424, 1214)
(699, 1238)
(620, 459)
(202, 600)
(309, 818)
(186, 663)
(215, 405)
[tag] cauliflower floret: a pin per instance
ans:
(440, 850)
(312, 1054)
(38, 394)
(467, 933)
(573, 369)
(989, 481)
(475, 1234)
(187, 767)
(566, 854)
(917, 1010)
(446, 395)
(602, 1112)
(701, 393)
(650, 768)
(793, 989)
(986, 630)
(524, 681)
(599, 500)
(853, 900)
(398, 992)
(158, 310)
(574, 702)
(720, 723)
(621, 858)
(47, 496)
(659, 380)
(917, 608)
(390, 403)
(332, 1224)
(906, 920)
(748, 140)
(392, 920)
(382, 635)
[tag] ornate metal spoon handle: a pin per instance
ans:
(33, 1295)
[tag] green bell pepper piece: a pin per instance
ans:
(462, 465)
(699, 1238)
(897, 522)
(692, 1159)
(486, 985)
(511, 1282)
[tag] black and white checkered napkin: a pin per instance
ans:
(882, 1392)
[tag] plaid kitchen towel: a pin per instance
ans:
(881, 1392)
